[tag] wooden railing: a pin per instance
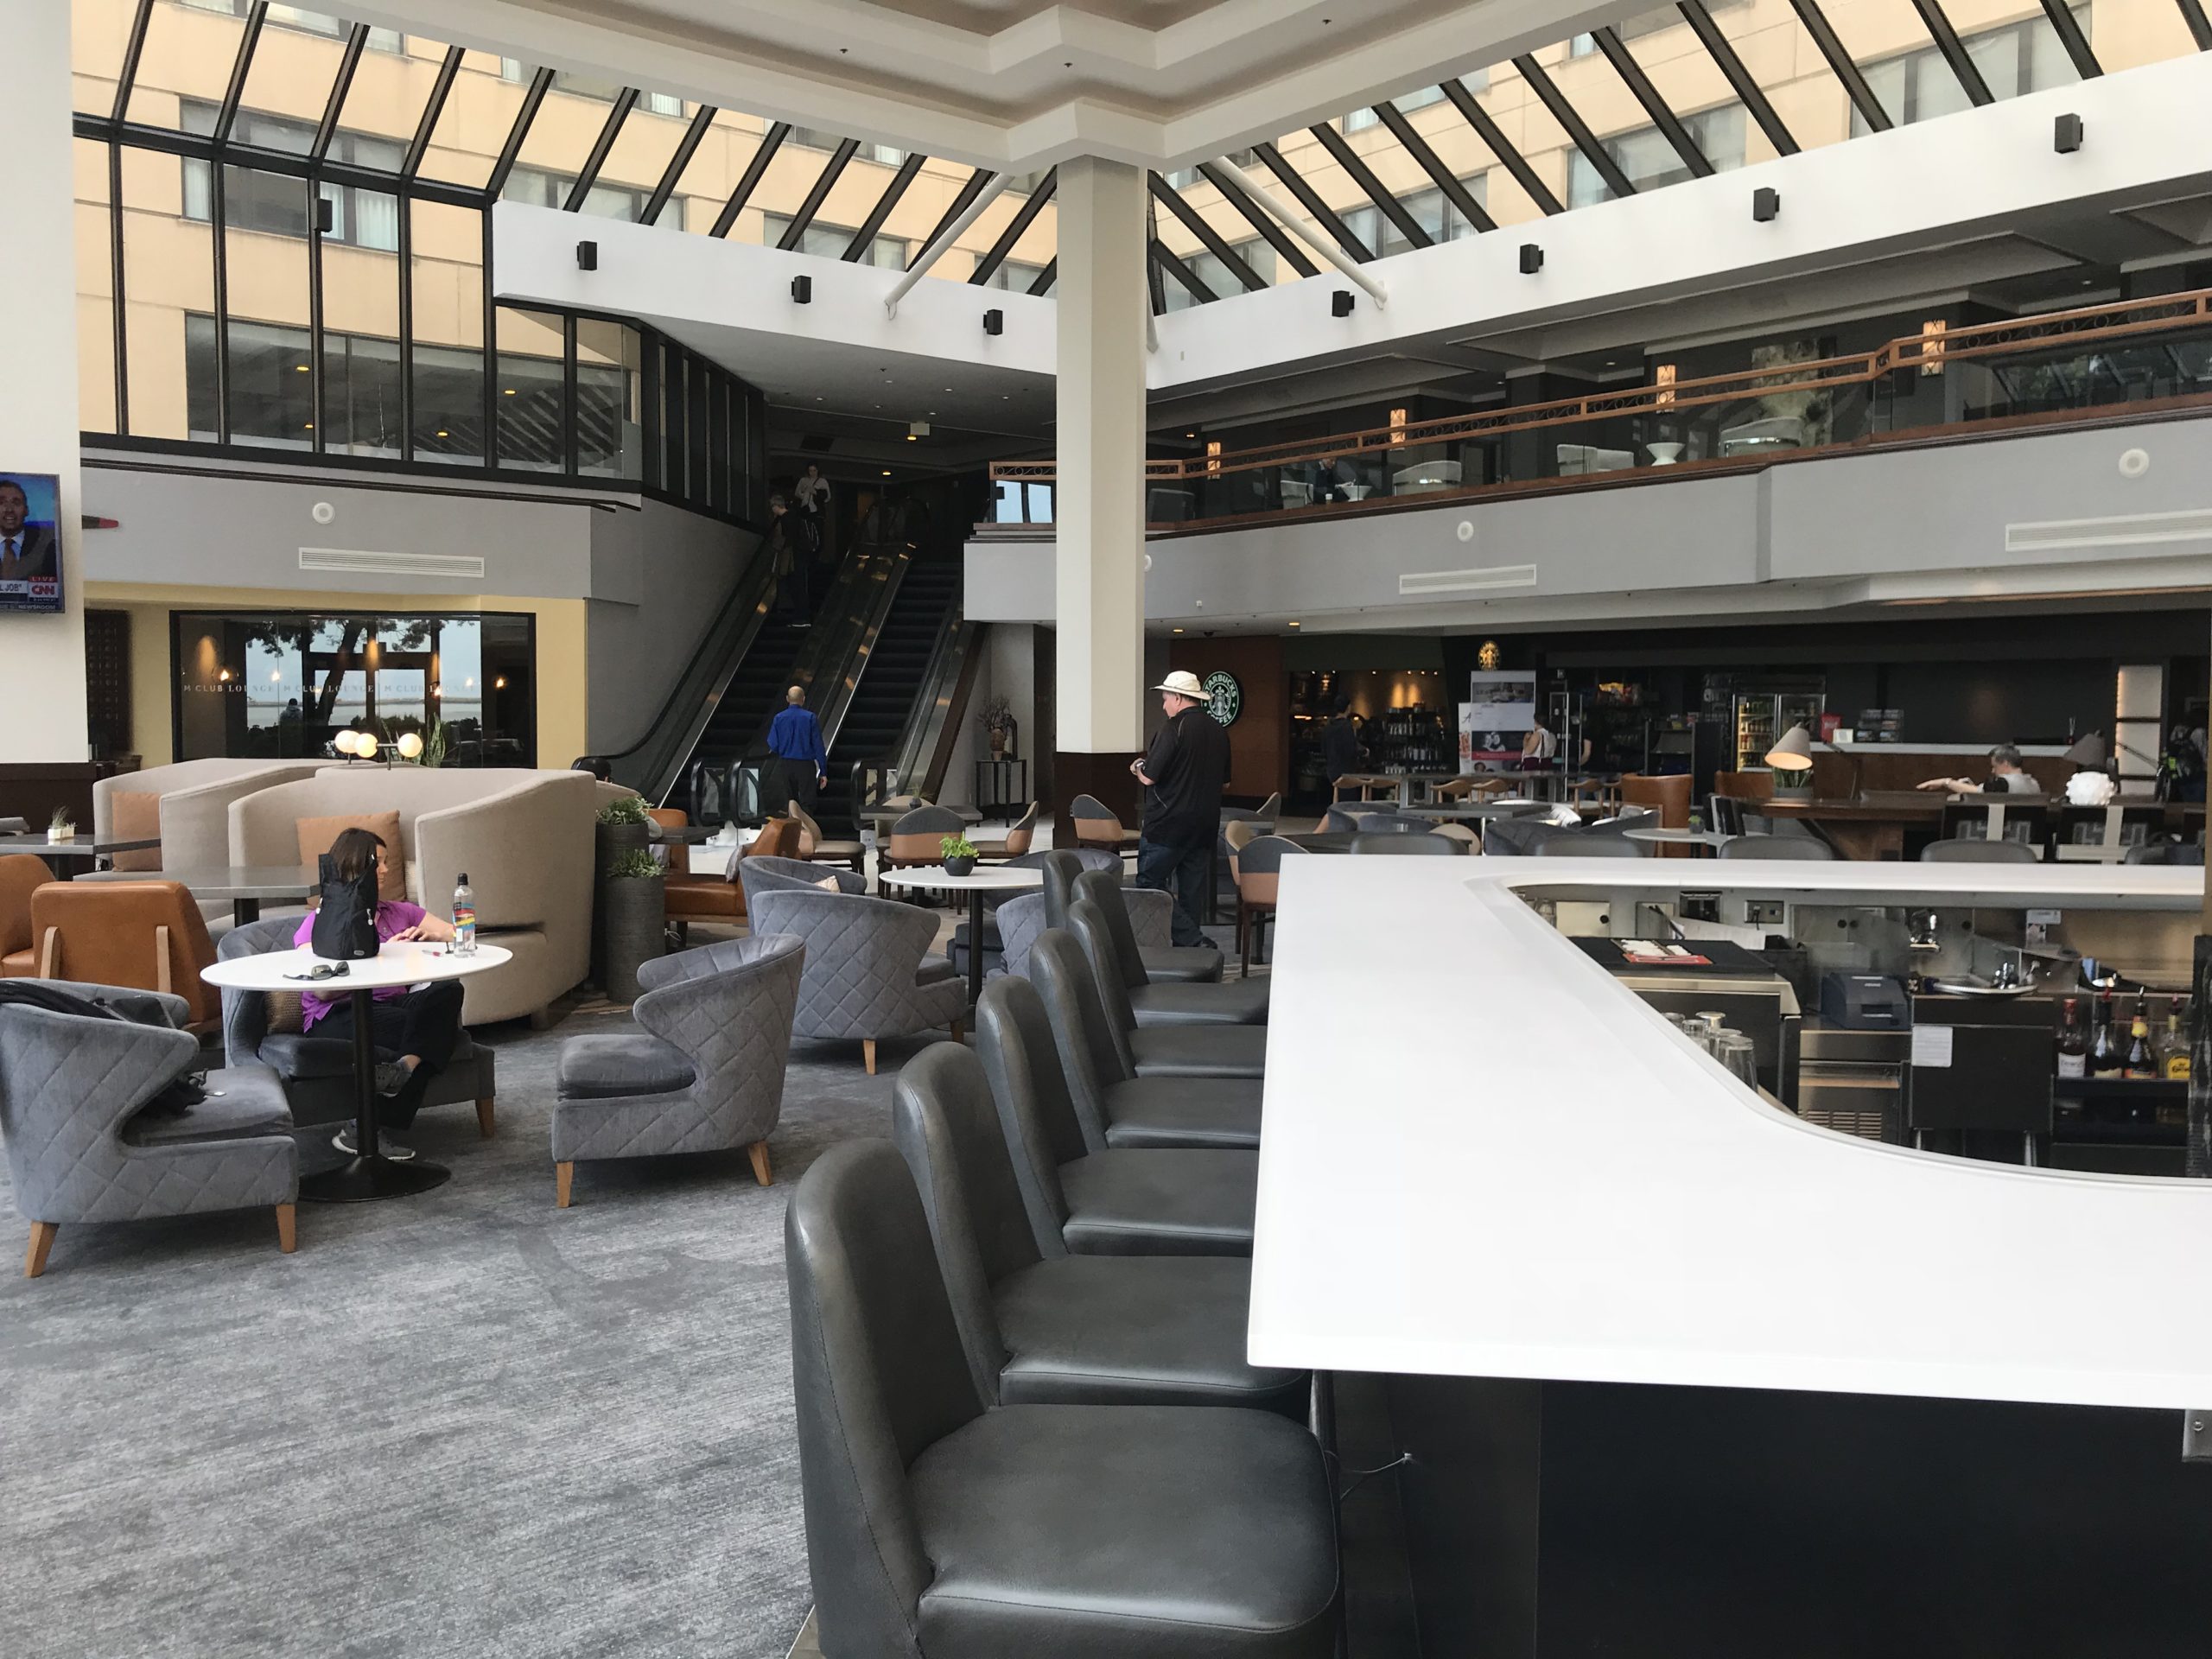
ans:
(2163, 314)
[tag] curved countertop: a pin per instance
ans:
(1485, 1157)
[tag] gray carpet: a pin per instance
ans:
(464, 1423)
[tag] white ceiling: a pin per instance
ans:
(1013, 83)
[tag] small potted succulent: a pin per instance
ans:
(64, 827)
(959, 854)
(636, 906)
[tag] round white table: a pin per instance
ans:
(984, 878)
(369, 1174)
(1712, 838)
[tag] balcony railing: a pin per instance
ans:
(2137, 354)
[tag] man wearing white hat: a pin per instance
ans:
(1184, 774)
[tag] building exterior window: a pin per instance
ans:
(2022, 57)
(831, 241)
(1014, 277)
(1650, 162)
(1429, 210)
(1420, 99)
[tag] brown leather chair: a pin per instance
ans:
(1745, 785)
(20, 874)
(1669, 797)
(148, 936)
(705, 896)
(1018, 838)
(815, 847)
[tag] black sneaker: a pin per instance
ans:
(386, 1147)
(391, 1077)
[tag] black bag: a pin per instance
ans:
(345, 921)
(175, 1101)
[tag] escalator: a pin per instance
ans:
(754, 695)
(895, 672)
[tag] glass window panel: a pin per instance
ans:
(641, 155)
(2015, 58)
(610, 435)
(265, 218)
(1036, 246)
(472, 126)
(696, 430)
(169, 274)
(390, 89)
(99, 32)
(447, 271)
(731, 140)
(529, 387)
(294, 70)
(831, 241)
(189, 51)
(360, 320)
(560, 140)
(95, 288)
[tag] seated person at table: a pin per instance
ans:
(420, 1025)
(2005, 777)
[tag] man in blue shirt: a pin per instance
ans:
(803, 760)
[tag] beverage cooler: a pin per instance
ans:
(1760, 711)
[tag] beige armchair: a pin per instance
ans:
(187, 804)
(524, 838)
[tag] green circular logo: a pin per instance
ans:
(1224, 697)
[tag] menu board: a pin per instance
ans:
(1500, 711)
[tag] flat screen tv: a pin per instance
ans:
(30, 542)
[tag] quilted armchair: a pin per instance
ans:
(316, 1073)
(770, 875)
(865, 973)
(73, 1090)
(706, 1072)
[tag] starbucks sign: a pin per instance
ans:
(1224, 696)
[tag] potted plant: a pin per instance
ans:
(63, 827)
(635, 905)
(997, 721)
(959, 854)
(622, 828)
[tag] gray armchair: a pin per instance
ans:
(867, 977)
(706, 1072)
(73, 1092)
(316, 1073)
(768, 873)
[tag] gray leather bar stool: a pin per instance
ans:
(939, 1524)
(1172, 963)
(1405, 846)
(1777, 846)
(1242, 1002)
(1044, 1326)
(1115, 1106)
(1979, 852)
(1182, 1050)
(1118, 1201)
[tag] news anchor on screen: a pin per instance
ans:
(30, 560)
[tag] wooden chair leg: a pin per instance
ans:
(49, 954)
(287, 1236)
(867, 1054)
(42, 1234)
(757, 1151)
(955, 1030)
(563, 1175)
(484, 1116)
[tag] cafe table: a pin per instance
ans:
(244, 886)
(84, 848)
(984, 878)
(369, 1174)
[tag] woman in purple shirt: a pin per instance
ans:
(418, 1027)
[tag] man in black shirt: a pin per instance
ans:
(1183, 774)
(1339, 740)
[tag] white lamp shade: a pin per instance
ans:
(364, 745)
(1793, 752)
(347, 741)
(410, 746)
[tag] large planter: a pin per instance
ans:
(611, 841)
(636, 911)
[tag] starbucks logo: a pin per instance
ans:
(1224, 696)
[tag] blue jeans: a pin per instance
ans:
(1180, 871)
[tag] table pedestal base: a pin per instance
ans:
(359, 1180)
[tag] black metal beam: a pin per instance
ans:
(1576, 129)
(218, 211)
(1739, 78)
(1192, 220)
(2200, 26)
(496, 186)
(987, 265)
(1954, 50)
(1511, 159)
(347, 65)
(1046, 277)
(127, 77)
(406, 329)
(1163, 259)
(317, 390)
(1663, 116)
(2069, 30)
(419, 145)
(959, 205)
(116, 287)
(1318, 210)
(252, 37)
(1155, 289)
(624, 101)
(1259, 219)
(839, 158)
(1847, 68)
(1364, 175)
(1456, 193)
(908, 170)
(749, 181)
(672, 174)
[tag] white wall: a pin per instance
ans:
(658, 579)
(42, 658)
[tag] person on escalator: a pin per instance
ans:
(802, 758)
(790, 607)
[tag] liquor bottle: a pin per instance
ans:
(464, 917)
(2073, 1044)
(2141, 1064)
(2173, 1051)
(2104, 1047)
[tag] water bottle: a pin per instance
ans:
(464, 919)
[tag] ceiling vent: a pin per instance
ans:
(1467, 581)
(354, 561)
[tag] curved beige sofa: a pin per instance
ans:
(524, 839)
(195, 798)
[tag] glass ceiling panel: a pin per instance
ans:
(188, 58)
(731, 142)
(391, 88)
(567, 125)
(1784, 62)
(479, 114)
(641, 154)
(1873, 31)
(295, 66)
(98, 32)
(2013, 46)
(1530, 128)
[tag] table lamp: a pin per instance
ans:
(2087, 752)
(1792, 759)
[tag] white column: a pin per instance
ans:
(42, 658)
(1099, 516)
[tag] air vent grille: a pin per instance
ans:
(359, 562)
(2132, 530)
(1467, 581)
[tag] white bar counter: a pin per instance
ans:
(1484, 1157)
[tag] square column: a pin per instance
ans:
(1098, 531)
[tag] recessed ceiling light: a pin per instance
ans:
(887, 472)
(911, 438)
(1293, 625)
